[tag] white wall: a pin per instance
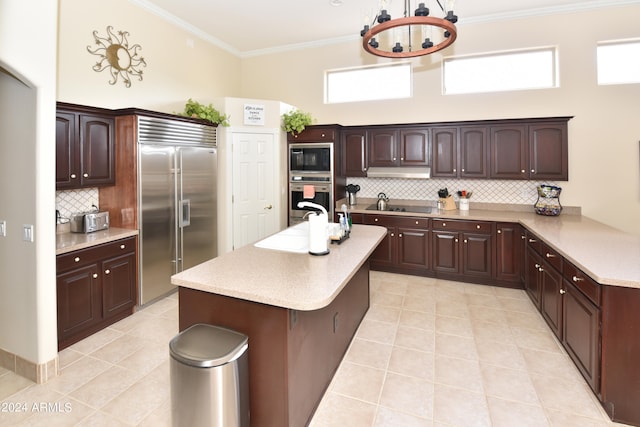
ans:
(27, 171)
(604, 176)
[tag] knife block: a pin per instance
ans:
(448, 203)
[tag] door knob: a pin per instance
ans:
(269, 207)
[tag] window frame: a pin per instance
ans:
(407, 68)
(616, 43)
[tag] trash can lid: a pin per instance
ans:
(206, 346)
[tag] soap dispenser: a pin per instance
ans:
(318, 223)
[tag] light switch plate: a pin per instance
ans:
(27, 232)
(3, 228)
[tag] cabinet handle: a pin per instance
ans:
(577, 279)
(400, 235)
(107, 271)
(523, 237)
(462, 170)
(540, 269)
(76, 259)
(86, 175)
(375, 219)
(323, 135)
(537, 266)
(95, 275)
(73, 175)
(478, 227)
(394, 159)
(548, 255)
(444, 224)
(393, 234)
(465, 240)
(402, 159)
(522, 171)
(562, 292)
(499, 231)
(456, 240)
(533, 171)
(122, 246)
(532, 240)
(454, 170)
(417, 222)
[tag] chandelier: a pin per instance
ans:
(409, 36)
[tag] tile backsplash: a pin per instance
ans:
(485, 191)
(69, 202)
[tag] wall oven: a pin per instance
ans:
(323, 196)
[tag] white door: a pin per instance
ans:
(254, 187)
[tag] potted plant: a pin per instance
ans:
(205, 112)
(295, 121)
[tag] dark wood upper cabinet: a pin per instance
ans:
(415, 149)
(383, 147)
(474, 152)
(508, 152)
(354, 145)
(445, 152)
(85, 148)
(548, 152)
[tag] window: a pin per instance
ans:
(618, 62)
(368, 83)
(514, 70)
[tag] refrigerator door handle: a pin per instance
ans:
(185, 213)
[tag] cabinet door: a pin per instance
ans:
(532, 276)
(548, 152)
(413, 248)
(78, 299)
(477, 255)
(508, 152)
(355, 153)
(67, 151)
(118, 284)
(97, 150)
(508, 252)
(445, 252)
(414, 148)
(551, 298)
(474, 152)
(383, 145)
(445, 152)
(581, 333)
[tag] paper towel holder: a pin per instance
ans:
(317, 229)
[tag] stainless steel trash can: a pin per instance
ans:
(209, 377)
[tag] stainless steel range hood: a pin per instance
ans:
(400, 172)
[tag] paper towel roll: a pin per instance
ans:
(318, 234)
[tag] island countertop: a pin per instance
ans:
(284, 279)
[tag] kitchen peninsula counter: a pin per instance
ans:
(608, 255)
(299, 311)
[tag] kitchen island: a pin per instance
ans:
(299, 311)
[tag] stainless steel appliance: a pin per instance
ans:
(310, 164)
(177, 166)
(88, 222)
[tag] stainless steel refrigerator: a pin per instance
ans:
(177, 165)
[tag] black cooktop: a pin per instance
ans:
(414, 209)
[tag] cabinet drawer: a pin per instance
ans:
(551, 256)
(397, 221)
(457, 225)
(534, 242)
(580, 280)
(93, 254)
(311, 134)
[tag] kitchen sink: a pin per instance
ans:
(409, 208)
(293, 239)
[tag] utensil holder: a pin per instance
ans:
(463, 204)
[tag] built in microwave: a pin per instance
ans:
(311, 157)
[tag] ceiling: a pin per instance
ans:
(248, 28)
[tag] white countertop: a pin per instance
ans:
(68, 242)
(298, 281)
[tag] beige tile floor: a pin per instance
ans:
(428, 353)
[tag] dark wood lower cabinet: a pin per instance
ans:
(293, 354)
(96, 287)
(509, 253)
(551, 300)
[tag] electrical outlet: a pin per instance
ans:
(27, 232)
(3, 228)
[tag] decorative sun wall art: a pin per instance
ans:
(115, 54)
